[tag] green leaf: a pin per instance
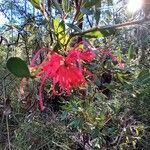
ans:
(35, 3)
(18, 67)
(87, 11)
(74, 27)
(66, 5)
(76, 123)
(64, 115)
(130, 53)
(90, 3)
(100, 34)
(143, 73)
(94, 34)
(57, 6)
(120, 77)
(57, 47)
(59, 28)
(97, 15)
(79, 17)
(56, 22)
(144, 77)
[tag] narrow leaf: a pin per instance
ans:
(100, 34)
(74, 27)
(97, 15)
(35, 3)
(66, 5)
(87, 11)
(144, 77)
(130, 53)
(57, 6)
(90, 3)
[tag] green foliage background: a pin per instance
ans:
(87, 119)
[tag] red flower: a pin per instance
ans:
(73, 56)
(68, 77)
(51, 65)
(88, 56)
(77, 55)
(66, 72)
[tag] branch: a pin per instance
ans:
(117, 26)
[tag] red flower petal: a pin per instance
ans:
(73, 56)
(68, 77)
(52, 64)
(22, 86)
(88, 56)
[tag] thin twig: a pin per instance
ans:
(117, 26)
(8, 135)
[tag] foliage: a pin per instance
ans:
(40, 135)
(90, 79)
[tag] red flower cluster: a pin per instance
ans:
(66, 72)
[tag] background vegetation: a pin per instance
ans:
(112, 112)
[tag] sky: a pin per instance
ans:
(3, 20)
(132, 7)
